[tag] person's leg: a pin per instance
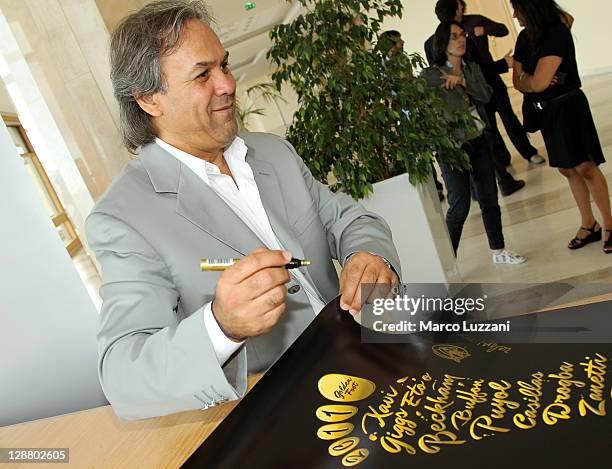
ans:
(483, 177)
(513, 126)
(598, 187)
(498, 146)
(581, 194)
(507, 184)
(499, 152)
(458, 188)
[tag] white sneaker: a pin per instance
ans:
(508, 257)
(537, 159)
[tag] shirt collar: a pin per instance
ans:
(450, 66)
(236, 152)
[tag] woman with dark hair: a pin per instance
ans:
(545, 70)
(462, 86)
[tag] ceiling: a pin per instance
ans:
(244, 33)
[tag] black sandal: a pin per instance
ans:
(607, 248)
(594, 235)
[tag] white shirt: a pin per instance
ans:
(244, 199)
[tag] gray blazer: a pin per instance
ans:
(150, 230)
(479, 91)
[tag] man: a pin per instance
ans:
(479, 28)
(391, 40)
(173, 338)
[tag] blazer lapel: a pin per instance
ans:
(197, 202)
(274, 205)
(272, 199)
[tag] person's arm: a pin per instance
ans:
(477, 87)
(489, 27)
(150, 362)
(501, 66)
(556, 44)
(517, 72)
(544, 76)
(352, 230)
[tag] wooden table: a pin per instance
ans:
(97, 438)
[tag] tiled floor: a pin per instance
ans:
(538, 221)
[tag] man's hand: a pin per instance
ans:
(362, 267)
(250, 295)
(451, 81)
(479, 31)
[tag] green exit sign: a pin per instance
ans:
(249, 6)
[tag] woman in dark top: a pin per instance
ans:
(545, 70)
(462, 86)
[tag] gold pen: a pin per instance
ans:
(208, 264)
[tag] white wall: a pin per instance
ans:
(277, 116)
(591, 32)
(418, 22)
(48, 349)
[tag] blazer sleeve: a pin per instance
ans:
(349, 227)
(150, 362)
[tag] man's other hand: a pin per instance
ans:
(250, 295)
(362, 267)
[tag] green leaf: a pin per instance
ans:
(361, 116)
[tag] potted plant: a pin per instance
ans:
(366, 119)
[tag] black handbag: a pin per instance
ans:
(531, 120)
(532, 110)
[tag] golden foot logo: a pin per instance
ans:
(451, 352)
(342, 388)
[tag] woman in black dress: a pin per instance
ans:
(545, 70)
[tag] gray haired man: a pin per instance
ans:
(172, 338)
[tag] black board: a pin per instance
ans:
(276, 425)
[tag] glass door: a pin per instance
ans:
(52, 203)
